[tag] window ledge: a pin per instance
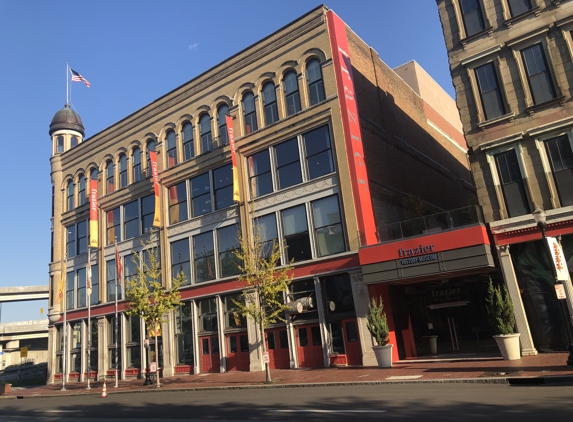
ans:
(535, 11)
(558, 100)
(486, 123)
(488, 31)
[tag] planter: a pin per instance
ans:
(5, 388)
(383, 355)
(433, 341)
(509, 346)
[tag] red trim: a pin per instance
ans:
(532, 233)
(454, 239)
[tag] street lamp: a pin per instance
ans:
(540, 218)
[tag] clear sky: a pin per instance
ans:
(132, 52)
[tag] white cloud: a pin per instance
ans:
(193, 46)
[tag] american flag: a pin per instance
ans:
(76, 77)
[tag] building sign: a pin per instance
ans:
(93, 214)
(23, 352)
(418, 250)
(153, 367)
(419, 259)
(560, 291)
(446, 295)
(559, 263)
(266, 357)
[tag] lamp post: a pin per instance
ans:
(540, 218)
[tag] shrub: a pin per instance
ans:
(500, 309)
(377, 322)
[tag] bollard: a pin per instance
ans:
(104, 391)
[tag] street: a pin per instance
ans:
(405, 402)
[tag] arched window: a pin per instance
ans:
(206, 136)
(249, 112)
(82, 198)
(171, 149)
(270, 103)
(70, 190)
(188, 144)
(74, 141)
(150, 147)
(292, 96)
(315, 84)
(109, 177)
(122, 171)
(136, 165)
(60, 144)
(222, 112)
(93, 174)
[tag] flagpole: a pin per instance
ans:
(67, 83)
(88, 298)
(116, 322)
(64, 329)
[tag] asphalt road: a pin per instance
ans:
(404, 402)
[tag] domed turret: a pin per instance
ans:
(67, 119)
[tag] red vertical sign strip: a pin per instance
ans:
(229, 121)
(352, 135)
(93, 215)
(153, 160)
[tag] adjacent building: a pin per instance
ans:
(511, 65)
(332, 146)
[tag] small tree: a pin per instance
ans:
(147, 297)
(377, 323)
(258, 264)
(500, 309)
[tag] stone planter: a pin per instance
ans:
(383, 355)
(5, 388)
(509, 346)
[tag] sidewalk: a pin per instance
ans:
(541, 369)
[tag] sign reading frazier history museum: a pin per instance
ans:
(417, 255)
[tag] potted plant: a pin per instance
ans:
(502, 320)
(5, 387)
(378, 326)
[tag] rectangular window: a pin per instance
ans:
(489, 91)
(512, 184)
(233, 317)
(318, 152)
(328, 226)
(261, 181)
(266, 230)
(338, 294)
(184, 334)
(146, 254)
(518, 7)
(223, 184)
(113, 225)
(178, 203)
(81, 279)
(181, 259)
(538, 75)
(131, 223)
(133, 348)
(110, 282)
(112, 338)
(147, 213)
(228, 243)
(204, 257)
(288, 163)
(472, 17)
(302, 337)
(561, 158)
(82, 237)
(70, 288)
(130, 264)
(94, 297)
(71, 240)
(207, 315)
(271, 341)
(188, 144)
(296, 234)
(201, 194)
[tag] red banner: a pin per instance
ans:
(94, 237)
(153, 160)
(229, 120)
(352, 134)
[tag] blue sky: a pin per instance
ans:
(133, 52)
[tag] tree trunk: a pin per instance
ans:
(157, 382)
(267, 367)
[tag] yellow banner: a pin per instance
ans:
(229, 121)
(153, 160)
(93, 214)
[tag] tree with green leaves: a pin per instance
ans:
(259, 265)
(500, 309)
(377, 322)
(147, 297)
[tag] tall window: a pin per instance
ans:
(328, 226)
(82, 237)
(60, 144)
(70, 194)
(228, 243)
(184, 334)
(512, 184)
(113, 225)
(188, 144)
(222, 112)
(94, 297)
(517, 7)
(70, 289)
(204, 253)
(133, 337)
(93, 174)
(538, 74)
(76, 239)
(147, 212)
(109, 177)
(181, 259)
(206, 136)
(178, 203)
(489, 91)
(318, 152)
(315, 84)
(472, 17)
(292, 96)
(150, 146)
(136, 165)
(81, 291)
(71, 240)
(131, 223)
(296, 234)
(122, 171)
(82, 198)
(288, 163)
(223, 186)
(266, 229)
(561, 157)
(201, 194)
(74, 141)
(260, 173)
(171, 149)
(207, 315)
(270, 103)
(233, 317)
(111, 275)
(249, 112)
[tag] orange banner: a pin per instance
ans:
(94, 239)
(229, 121)
(153, 160)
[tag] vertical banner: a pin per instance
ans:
(153, 160)
(352, 134)
(559, 263)
(229, 121)
(93, 214)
